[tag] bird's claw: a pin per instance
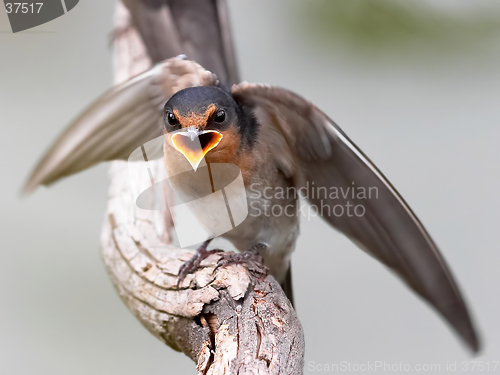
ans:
(251, 259)
(193, 264)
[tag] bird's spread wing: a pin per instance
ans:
(119, 121)
(197, 28)
(386, 228)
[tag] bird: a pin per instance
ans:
(277, 139)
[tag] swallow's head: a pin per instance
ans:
(205, 122)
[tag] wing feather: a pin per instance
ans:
(118, 122)
(197, 28)
(388, 230)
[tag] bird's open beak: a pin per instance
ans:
(194, 144)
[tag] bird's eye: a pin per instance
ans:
(220, 116)
(171, 119)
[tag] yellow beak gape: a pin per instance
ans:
(195, 145)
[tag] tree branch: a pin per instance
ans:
(227, 320)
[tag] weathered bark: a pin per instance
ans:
(228, 320)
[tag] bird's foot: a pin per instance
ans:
(251, 259)
(193, 264)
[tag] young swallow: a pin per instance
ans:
(278, 140)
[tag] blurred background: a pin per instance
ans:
(416, 84)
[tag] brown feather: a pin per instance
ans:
(389, 230)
